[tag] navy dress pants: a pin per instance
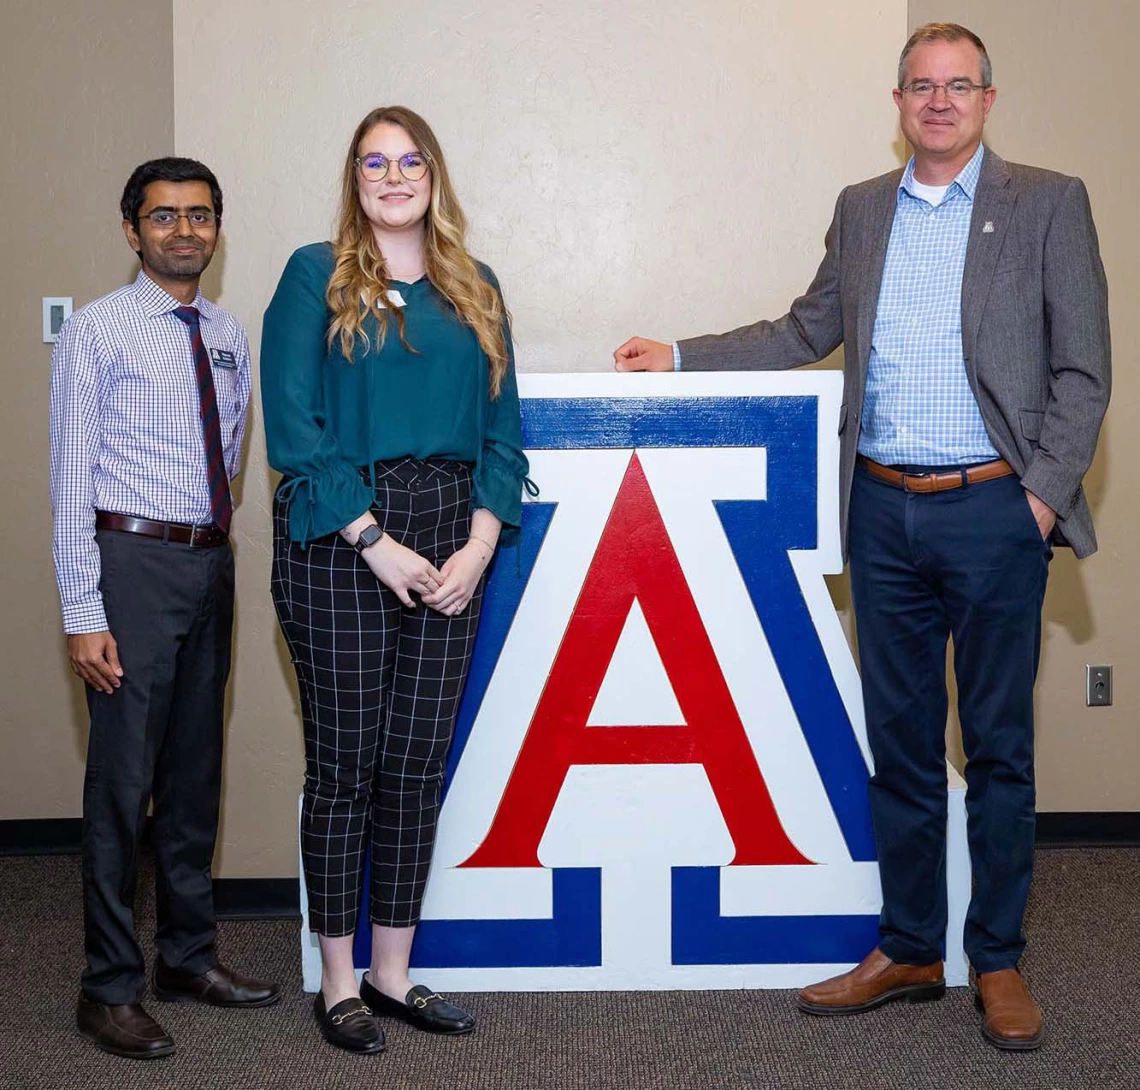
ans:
(967, 564)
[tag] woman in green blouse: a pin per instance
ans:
(391, 409)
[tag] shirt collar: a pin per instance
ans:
(155, 301)
(967, 180)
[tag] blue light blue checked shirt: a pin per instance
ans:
(918, 408)
(126, 427)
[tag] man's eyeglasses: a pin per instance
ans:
(374, 167)
(956, 88)
(165, 218)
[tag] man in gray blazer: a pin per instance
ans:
(970, 300)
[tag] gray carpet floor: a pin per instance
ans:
(1083, 964)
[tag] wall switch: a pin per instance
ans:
(1098, 686)
(57, 309)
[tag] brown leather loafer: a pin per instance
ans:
(219, 986)
(1013, 1021)
(874, 981)
(123, 1030)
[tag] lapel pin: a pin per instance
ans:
(988, 227)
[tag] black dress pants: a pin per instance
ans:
(380, 686)
(170, 609)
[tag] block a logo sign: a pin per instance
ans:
(659, 773)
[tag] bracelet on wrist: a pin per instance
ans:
(482, 540)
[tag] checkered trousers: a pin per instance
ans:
(380, 686)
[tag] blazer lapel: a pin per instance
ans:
(877, 231)
(993, 209)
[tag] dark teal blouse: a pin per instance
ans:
(326, 417)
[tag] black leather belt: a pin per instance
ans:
(205, 535)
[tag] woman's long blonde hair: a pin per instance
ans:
(359, 282)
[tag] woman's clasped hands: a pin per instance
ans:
(447, 589)
(461, 572)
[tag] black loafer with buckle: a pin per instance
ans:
(349, 1025)
(422, 1008)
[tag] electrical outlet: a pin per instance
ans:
(1098, 686)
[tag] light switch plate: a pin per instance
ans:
(1098, 686)
(57, 309)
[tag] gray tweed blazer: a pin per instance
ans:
(1035, 331)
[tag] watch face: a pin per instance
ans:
(368, 536)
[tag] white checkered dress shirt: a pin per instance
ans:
(126, 427)
(918, 408)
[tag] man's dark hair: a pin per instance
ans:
(169, 169)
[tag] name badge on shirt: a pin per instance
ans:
(221, 358)
(395, 299)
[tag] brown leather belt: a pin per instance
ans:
(937, 482)
(203, 536)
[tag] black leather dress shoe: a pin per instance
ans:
(219, 986)
(123, 1030)
(349, 1025)
(422, 1008)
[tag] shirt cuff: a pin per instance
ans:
(498, 486)
(82, 617)
(325, 502)
(676, 356)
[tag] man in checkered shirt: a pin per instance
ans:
(149, 391)
(970, 300)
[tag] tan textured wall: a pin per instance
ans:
(88, 93)
(1058, 69)
(626, 167)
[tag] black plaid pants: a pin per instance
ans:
(380, 686)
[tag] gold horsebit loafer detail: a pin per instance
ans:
(421, 1008)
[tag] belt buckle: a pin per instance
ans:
(194, 528)
(915, 476)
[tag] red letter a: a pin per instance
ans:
(635, 559)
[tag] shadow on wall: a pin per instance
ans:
(285, 666)
(212, 278)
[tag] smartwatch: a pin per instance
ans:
(368, 537)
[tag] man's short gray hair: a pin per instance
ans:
(945, 32)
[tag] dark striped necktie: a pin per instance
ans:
(221, 505)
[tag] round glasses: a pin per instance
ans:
(374, 166)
